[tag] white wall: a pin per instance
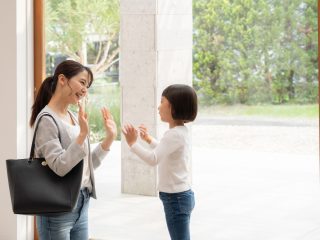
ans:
(15, 98)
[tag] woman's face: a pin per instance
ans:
(78, 85)
(165, 110)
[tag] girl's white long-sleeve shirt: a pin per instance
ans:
(171, 155)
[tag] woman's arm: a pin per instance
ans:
(100, 152)
(48, 145)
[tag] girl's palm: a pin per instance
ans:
(144, 133)
(130, 133)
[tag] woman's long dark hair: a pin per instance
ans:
(68, 68)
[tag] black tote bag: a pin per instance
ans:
(36, 190)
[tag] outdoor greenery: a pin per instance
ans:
(256, 51)
(287, 111)
(84, 30)
(250, 57)
(88, 32)
(103, 95)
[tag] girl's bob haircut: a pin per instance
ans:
(183, 100)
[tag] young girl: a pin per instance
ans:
(178, 106)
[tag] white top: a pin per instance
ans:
(171, 155)
(73, 132)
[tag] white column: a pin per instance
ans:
(15, 98)
(156, 51)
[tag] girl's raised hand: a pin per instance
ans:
(130, 133)
(144, 133)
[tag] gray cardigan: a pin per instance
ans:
(62, 157)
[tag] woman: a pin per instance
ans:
(68, 85)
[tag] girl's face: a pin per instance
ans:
(165, 110)
(77, 87)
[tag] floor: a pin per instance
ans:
(252, 182)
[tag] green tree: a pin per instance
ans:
(258, 51)
(295, 74)
(85, 30)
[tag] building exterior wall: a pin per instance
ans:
(15, 98)
(156, 51)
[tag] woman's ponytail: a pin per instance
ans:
(43, 97)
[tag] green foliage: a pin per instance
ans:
(306, 111)
(253, 52)
(84, 30)
(87, 31)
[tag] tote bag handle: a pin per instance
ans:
(35, 133)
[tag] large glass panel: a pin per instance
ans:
(256, 141)
(88, 32)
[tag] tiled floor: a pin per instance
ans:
(242, 193)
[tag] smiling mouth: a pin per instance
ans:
(79, 95)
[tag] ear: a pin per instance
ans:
(62, 80)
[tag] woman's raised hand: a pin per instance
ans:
(109, 123)
(110, 127)
(83, 124)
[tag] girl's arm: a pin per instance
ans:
(168, 144)
(144, 135)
